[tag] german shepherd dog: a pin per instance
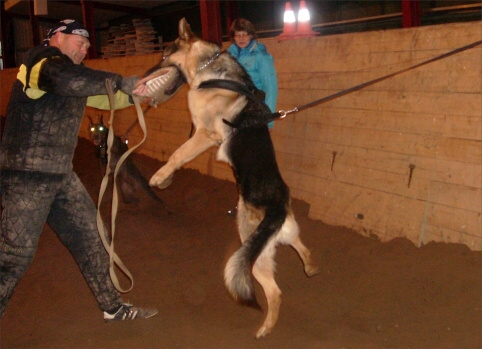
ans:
(236, 123)
(129, 178)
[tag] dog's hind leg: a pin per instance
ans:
(311, 269)
(290, 235)
(263, 271)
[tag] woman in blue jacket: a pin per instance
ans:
(258, 63)
(255, 59)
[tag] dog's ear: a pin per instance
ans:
(185, 32)
(101, 119)
(91, 121)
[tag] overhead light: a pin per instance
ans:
(289, 23)
(304, 25)
(303, 13)
(289, 16)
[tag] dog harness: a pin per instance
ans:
(256, 96)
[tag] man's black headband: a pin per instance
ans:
(67, 26)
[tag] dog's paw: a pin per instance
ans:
(312, 270)
(263, 332)
(160, 181)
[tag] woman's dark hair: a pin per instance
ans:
(242, 25)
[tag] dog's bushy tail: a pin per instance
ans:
(237, 273)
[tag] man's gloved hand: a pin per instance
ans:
(128, 84)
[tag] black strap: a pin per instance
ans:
(359, 87)
(239, 88)
(228, 85)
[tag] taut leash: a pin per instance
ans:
(243, 90)
(282, 113)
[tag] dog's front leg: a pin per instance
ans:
(197, 144)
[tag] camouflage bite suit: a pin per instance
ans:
(38, 184)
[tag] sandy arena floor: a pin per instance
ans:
(368, 295)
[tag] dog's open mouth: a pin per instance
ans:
(176, 84)
(162, 84)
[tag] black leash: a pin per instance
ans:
(242, 89)
(282, 113)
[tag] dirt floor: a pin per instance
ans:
(368, 295)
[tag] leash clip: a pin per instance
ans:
(283, 113)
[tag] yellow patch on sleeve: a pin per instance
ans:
(32, 91)
(121, 101)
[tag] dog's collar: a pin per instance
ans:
(212, 59)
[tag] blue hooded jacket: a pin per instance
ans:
(259, 64)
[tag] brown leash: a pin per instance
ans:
(103, 231)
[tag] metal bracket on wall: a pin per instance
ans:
(411, 167)
(333, 160)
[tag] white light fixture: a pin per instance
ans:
(303, 14)
(289, 26)
(289, 16)
(303, 29)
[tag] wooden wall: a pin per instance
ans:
(352, 158)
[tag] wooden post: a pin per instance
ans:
(411, 13)
(34, 24)
(40, 8)
(88, 17)
(7, 38)
(211, 21)
(231, 13)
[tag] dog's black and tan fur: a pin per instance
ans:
(264, 217)
(129, 178)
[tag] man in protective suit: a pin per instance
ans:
(38, 184)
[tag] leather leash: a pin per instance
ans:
(282, 113)
(103, 231)
(241, 89)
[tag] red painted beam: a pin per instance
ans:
(211, 21)
(411, 13)
(231, 13)
(88, 18)
(34, 24)
(7, 38)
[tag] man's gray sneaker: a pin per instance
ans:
(129, 312)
